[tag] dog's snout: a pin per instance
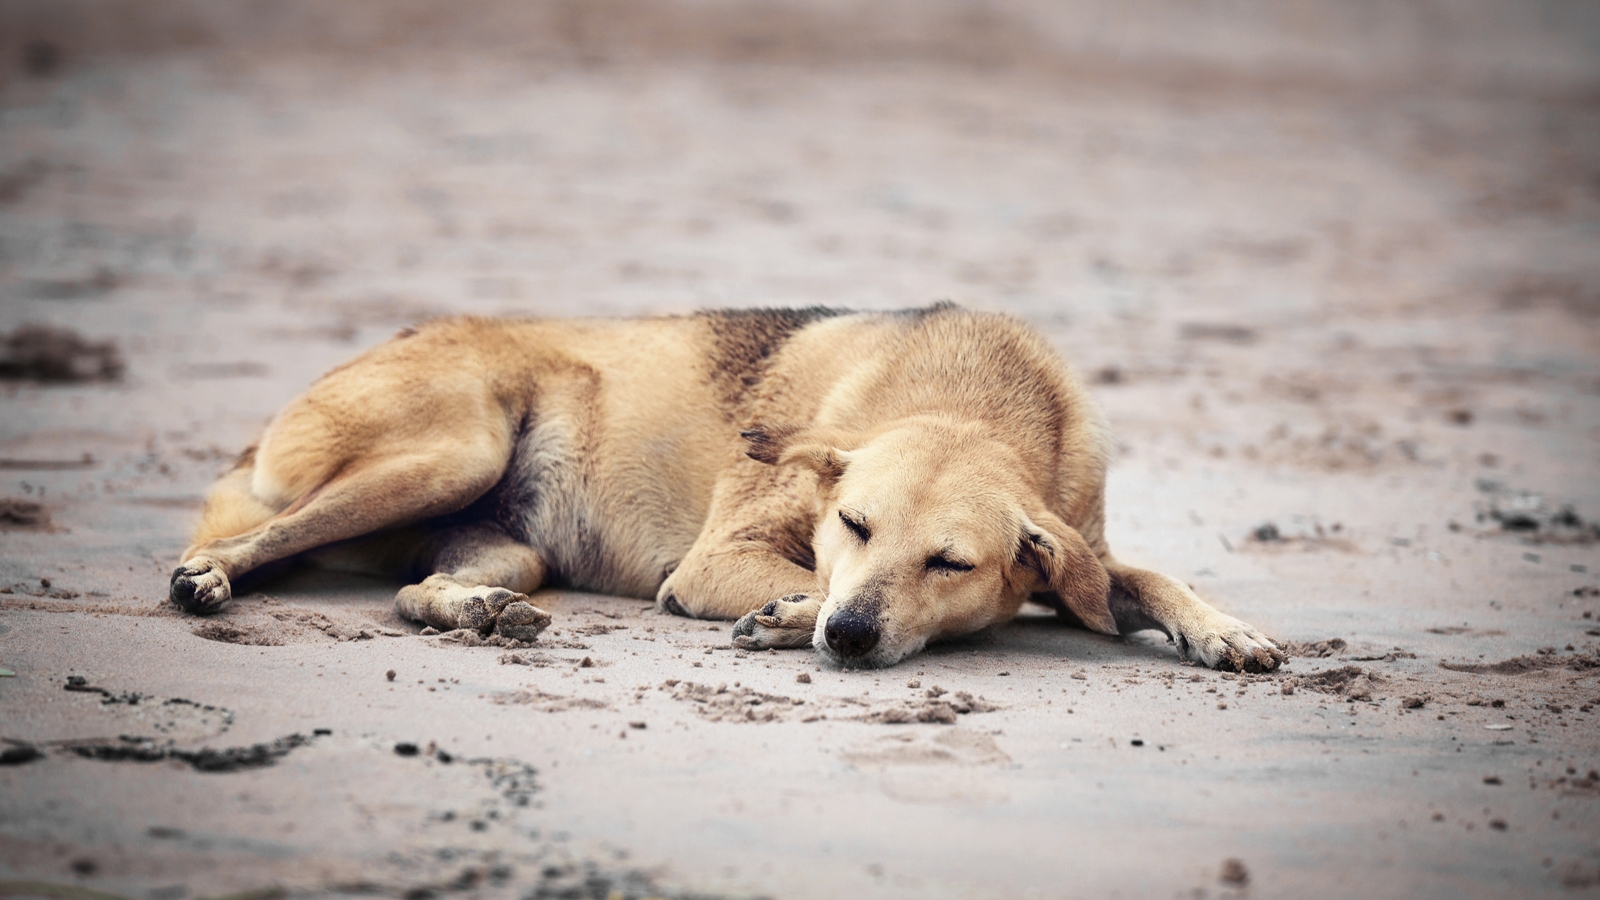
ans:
(851, 634)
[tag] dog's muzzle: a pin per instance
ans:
(851, 634)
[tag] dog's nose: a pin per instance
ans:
(851, 634)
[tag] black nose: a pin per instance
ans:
(851, 634)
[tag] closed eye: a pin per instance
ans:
(947, 564)
(856, 526)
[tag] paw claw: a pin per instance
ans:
(781, 623)
(1232, 646)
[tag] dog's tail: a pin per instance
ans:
(231, 508)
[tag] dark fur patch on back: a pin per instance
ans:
(765, 443)
(923, 312)
(746, 341)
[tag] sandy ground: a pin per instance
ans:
(1335, 269)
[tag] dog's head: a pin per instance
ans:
(927, 529)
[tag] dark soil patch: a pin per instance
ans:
(17, 754)
(45, 354)
(15, 513)
(1523, 665)
(227, 759)
(1315, 649)
(1526, 515)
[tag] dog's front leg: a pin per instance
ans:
(1141, 599)
(726, 579)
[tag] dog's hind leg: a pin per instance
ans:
(481, 579)
(368, 494)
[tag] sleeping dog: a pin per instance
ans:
(861, 483)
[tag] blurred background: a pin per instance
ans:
(1361, 226)
(1332, 269)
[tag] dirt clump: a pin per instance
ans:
(1234, 874)
(57, 355)
(1393, 654)
(548, 702)
(736, 704)
(20, 753)
(1315, 649)
(936, 706)
(1350, 682)
(1527, 516)
(466, 637)
(537, 660)
(206, 759)
(228, 633)
(17, 513)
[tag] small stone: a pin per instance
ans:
(430, 631)
(389, 675)
(914, 683)
(405, 748)
(1234, 874)
(587, 663)
(638, 725)
(803, 678)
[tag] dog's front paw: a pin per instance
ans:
(200, 587)
(782, 623)
(1224, 642)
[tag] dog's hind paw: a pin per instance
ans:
(784, 623)
(200, 587)
(521, 621)
(482, 608)
(1231, 645)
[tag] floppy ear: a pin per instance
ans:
(822, 450)
(1063, 559)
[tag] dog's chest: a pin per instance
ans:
(550, 500)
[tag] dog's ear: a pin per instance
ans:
(1063, 560)
(822, 450)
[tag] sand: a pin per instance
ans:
(1329, 269)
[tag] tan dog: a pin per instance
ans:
(858, 482)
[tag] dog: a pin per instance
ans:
(858, 482)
